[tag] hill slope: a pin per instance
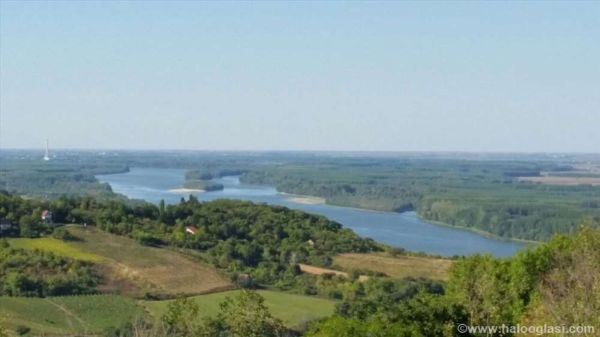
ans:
(130, 268)
(67, 315)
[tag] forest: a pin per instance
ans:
(480, 195)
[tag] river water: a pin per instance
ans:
(397, 229)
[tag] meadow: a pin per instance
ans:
(67, 315)
(95, 314)
(395, 266)
(293, 310)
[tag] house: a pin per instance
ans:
(191, 230)
(47, 216)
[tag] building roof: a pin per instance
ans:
(191, 229)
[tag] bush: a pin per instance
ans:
(62, 234)
(21, 330)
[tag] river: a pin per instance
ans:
(404, 230)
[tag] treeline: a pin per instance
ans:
(205, 185)
(264, 242)
(38, 273)
(31, 176)
(212, 172)
(204, 178)
(482, 195)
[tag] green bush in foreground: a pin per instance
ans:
(555, 284)
(245, 315)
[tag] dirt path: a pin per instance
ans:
(308, 269)
(69, 314)
(320, 271)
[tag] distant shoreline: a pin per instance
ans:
(304, 199)
(185, 190)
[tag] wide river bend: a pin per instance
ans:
(397, 229)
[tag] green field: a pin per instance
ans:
(395, 266)
(67, 315)
(292, 309)
(95, 313)
(57, 247)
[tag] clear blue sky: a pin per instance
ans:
(403, 76)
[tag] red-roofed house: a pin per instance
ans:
(191, 229)
(47, 216)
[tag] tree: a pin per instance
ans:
(243, 316)
(181, 318)
(569, 294)
(482, 285)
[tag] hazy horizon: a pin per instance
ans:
(41, 150)
(328, 77)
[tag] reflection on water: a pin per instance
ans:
(397, 229)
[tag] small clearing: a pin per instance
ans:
(395, 266)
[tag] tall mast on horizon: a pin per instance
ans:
(47, 155)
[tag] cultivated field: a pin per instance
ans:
(57, 247)
(292, 309)
(67, 315)
(133, 269)
(563, 180)
(153, 269)
(305, 268)
(396, 267)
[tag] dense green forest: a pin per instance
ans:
(205, 185)
(481, 195)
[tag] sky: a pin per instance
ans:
(347, 76)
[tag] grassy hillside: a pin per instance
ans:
(57, 247)
(67, 315)
(395, 267)
(131, 268)
(70, 315)
(292, 309)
